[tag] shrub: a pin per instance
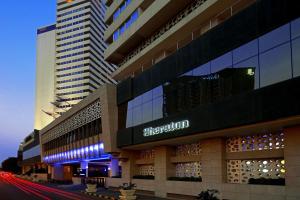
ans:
(128, 186)
(208, 195)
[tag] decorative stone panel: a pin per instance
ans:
(191, 169)
(84, 116)
(255, 142)
(146, 170)
(240, 171)
(188, 149)
(147, 154)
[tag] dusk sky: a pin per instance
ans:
(19, 21)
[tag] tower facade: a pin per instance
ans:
(80, 67)
(45, 68)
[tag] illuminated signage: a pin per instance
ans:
(173, 126)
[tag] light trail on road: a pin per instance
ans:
(37, 190)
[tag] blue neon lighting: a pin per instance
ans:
(88, 153)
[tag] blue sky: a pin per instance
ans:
(19, 21)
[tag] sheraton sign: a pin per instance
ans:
(173, 126)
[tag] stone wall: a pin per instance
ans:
(269, 155)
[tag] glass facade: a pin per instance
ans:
(121, 9)
(269, 59)
(126, 25)
(30, 153)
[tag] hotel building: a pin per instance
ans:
(79, 64)
(208, 98)
(45, 77)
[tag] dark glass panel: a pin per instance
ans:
(275, 65)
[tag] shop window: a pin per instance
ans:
(275, 65)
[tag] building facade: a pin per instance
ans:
(45, 77)
(208, 97)
(31, 155)
(80, 67)
(81, 143)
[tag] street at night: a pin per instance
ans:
(13, 188)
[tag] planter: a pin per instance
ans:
(127, 194)
(91, 188)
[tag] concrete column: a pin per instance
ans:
(292, 162)
(163, 169)
(49, 170)
(213, 161)
(114, 167)
(128, 165)
(85, 166)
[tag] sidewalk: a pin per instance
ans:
(102, 193)
(114, 195)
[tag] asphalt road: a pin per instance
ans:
(13, 188)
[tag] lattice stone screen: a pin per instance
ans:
(188, 149)
(84, 116)
(147, 154)
(255, 142)
(190, 169)
(240, 171)
(146, 170)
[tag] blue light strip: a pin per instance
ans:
(87, 153)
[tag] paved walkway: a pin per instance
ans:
(104, 192)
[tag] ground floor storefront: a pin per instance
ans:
(250, 162)
(85, 171)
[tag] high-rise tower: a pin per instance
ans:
(45, 69)
(80, 67)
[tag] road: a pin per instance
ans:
(13, 188)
